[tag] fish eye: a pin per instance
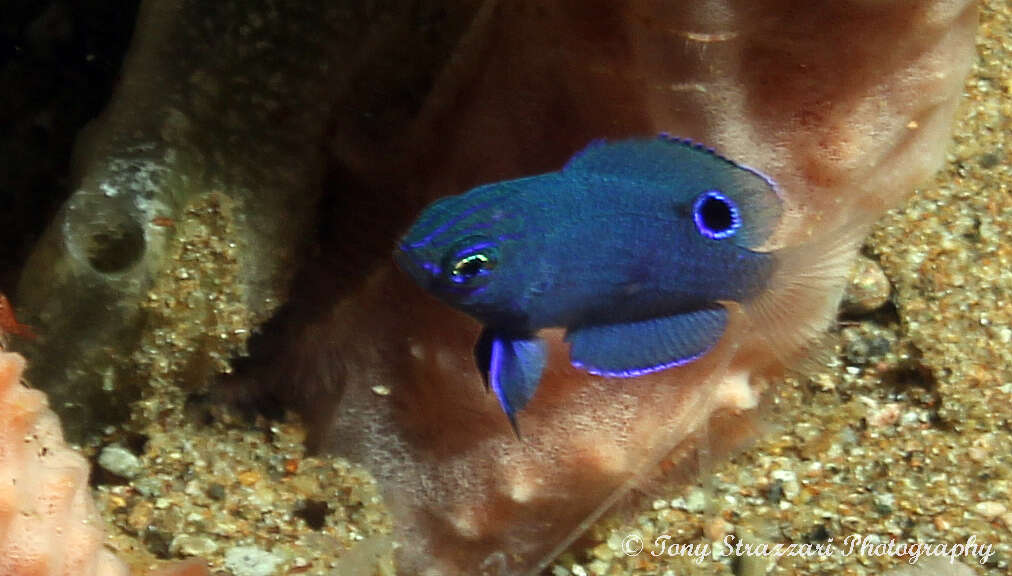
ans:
(472, 262)
(715, 215)
(470, 266)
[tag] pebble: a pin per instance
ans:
(882, 416)
(251, 561)
(981, 449)
(140, 516)
(868, 289)
(861, 349)
(190, 545)
(603, 552)
(990, 509)
(215, 491)
(788, 483)
(884, 503)
(249, 478)
(695, 501)
(715, 528)
(119, 461)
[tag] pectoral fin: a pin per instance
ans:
(635, 348)
(511, 367)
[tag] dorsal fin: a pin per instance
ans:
(687, 169)
(639, 158)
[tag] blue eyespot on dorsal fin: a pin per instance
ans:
(636, 348)
(686, 169)
(511, 367)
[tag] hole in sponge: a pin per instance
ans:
(115, 248)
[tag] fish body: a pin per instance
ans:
(632, 247)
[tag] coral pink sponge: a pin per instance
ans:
(48, 523)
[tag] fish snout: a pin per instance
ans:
(420, 271)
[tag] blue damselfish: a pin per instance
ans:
(631, 247)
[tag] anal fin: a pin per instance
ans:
(635, 348)
(511, 367)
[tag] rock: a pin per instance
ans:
(119, 461)
(990, 509)
(251, 561)
(868, 290)
(191, 545)
(695, 501)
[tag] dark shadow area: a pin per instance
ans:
(60, 62)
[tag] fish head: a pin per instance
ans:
(464, 249)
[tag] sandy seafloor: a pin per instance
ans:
(905, 435)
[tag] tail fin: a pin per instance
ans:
(801, 302)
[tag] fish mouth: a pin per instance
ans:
(421, 272)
